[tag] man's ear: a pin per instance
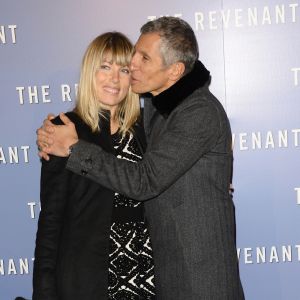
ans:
(176, 71)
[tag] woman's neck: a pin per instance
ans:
(114, 124)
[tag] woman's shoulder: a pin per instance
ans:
(75, 118)
(70, 114)
(140, 120)
(139, 132)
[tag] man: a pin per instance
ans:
(185, 173)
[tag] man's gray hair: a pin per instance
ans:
(178, 41)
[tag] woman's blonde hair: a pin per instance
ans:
(120, 49)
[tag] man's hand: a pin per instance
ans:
(56, 139)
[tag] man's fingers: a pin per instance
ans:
(48, 126)
(50, 117)
(43, 140)
(41, 132)
(46, 142)
(46, 148)
(65, 119)
(43, 155)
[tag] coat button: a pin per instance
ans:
(88, 163)
(84, 172)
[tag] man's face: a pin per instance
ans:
(147, 69)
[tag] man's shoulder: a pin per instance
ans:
(202, 94)
(203, 97)
(199, 109)
(200, 98)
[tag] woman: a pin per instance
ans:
(86, 248)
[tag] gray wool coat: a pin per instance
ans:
(184, 180)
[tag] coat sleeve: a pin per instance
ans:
(190, 134)
(53, 197)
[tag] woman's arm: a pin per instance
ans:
(53, 196)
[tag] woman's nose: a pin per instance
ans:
(115, 76)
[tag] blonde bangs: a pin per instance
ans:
(119, 54)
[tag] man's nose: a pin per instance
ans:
(133, 63)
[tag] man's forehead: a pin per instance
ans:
(146, 41)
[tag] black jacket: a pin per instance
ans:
(72, 243)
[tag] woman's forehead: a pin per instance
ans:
(118, 58)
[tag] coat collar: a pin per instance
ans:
(169, 99)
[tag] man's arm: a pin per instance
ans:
(191, 134)
(56, 139)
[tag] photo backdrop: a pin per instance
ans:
(252, 50)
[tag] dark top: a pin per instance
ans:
(72, 243)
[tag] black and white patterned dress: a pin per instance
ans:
(131, 267)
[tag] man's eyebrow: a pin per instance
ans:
(144, 53)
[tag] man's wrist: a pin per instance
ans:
(71, 147)
(70, 150)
